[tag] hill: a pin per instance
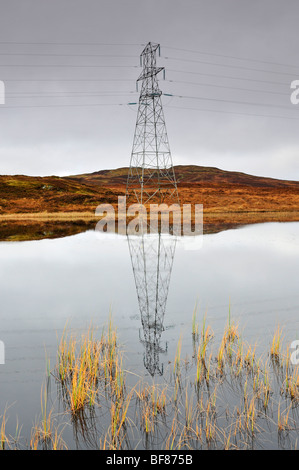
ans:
(29, 194)
(218, 190)
(188, 174)
(229, 198)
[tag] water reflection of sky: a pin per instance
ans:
(79, 279)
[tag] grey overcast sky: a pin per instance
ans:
(70, 69)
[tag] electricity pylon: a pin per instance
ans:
(152, 261)
(151, 180)
(151, 177)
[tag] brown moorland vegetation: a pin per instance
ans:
(219, 191)
(229, 198)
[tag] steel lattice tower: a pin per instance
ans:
(151, 177)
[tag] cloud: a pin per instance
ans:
(237, 86)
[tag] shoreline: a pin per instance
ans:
(43, 225)
(262, 215)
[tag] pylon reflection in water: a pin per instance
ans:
(152, 261)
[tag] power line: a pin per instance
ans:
(69, 96)
(224, 111)
(69, 43)
(229, 87)
(239, 67)
(228, 76)
(169, 106)
(227, 56)
(216, 100)
(61, 105)
(137, 66)
(220, 100)
(234, 112)
(218, 76)
(132, 56)
(35, 54)
(233, 57)
(94, 94)
(165, 94)
(50, 94)
(69, 65)
(66, 79)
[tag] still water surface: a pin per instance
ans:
(78, 280)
